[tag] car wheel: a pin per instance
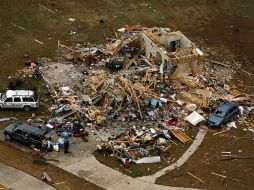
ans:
(32, 146)
(27, 108)
(8, 137)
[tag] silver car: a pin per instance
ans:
(24, 99)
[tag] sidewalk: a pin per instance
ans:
(92, 170)
(18, 180)
(103, 176)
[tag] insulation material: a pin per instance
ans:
(148, 160)
(232, 125)
(191, 97)
(194, 118)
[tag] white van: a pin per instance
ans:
(24, 99)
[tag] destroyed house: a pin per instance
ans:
(169, 49)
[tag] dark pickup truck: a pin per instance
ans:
(26, 134)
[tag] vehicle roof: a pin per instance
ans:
(31, 129)
(227, 106)
(10, 93)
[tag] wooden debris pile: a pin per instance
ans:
(144, 83)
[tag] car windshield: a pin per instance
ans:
(3, 97)
(219, 113)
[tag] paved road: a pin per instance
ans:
(18, 180)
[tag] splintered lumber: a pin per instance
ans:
(180, 135)
(127, 170)
(232, 157)
(68, 114)
(137, 101)
(216, 62)
(205, 103)
(46, 8)
(100, 83)
(195, 177)
(130, 62)
(147, 62)
(247, 72)
(38, 41)
(223, 176)
(46, 177)
(123, 43)
(236, 63)
(60, 44)
(220, 132)
(134, 27)
(79, 86)
(115, 33)
(167, 147)
(20, 27)
(129, 86)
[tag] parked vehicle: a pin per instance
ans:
(26, 134)
(223, 114)
(24, 99)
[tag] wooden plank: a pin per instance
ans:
(68, 114)
(130, 62)
(79, 86)
(147, 62)
(220, 132)
(195, 177)
(129, 86)
(20, 27)
(167, 147)
(180, 135)
(60, 44)
(137, 101)
(134, 27)
(216, 62)
(46, 8)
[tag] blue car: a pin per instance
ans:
(223, 114)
